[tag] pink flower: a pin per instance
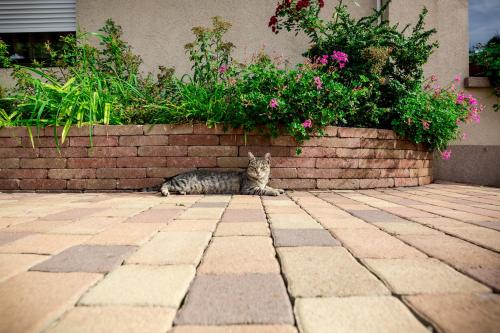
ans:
(437, 90)
(425, 124)
(458, 122)
(222, 69)
(464, 136)
(298, 77)
(307, 123)
(460, 98)
(273, 103)
(472, 100)
(457, 78)
(340, 57)
(318, 82)
(323, 60)
(434, 77)
(446, 154)
(474, 115)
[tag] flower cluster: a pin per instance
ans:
(286, 7)
(307, 123)
(318, 82)
(338, 57)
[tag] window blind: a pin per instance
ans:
(18, 16)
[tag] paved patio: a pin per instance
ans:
(395, 260)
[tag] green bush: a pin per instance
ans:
(488, 57)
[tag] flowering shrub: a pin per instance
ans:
(433, 115)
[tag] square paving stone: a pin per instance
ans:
(244, 215)
(408, 228)
(242, 229)
(126, 234)
(32, 300)
(376, 216)
(471, 313)
(382, 314)
(326, 271)
(231, 299)
(87, 258)
(43, 243)
(142, 286)
(7, 237)
(235, 329)
(115, 319)
(240, 255)
(12, 263)
(488, 276)
(293, 221)
(191, 225)
(209, 205)
(422, 276)
(201, 214)
(72, 214)
(173, 247)
(303, 237)
(156, 216)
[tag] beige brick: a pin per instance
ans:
(314, 272)
(344, 223)
(242, 229)
(422, 276)
(240, 255)
(410, 228)
(28, 307)
(12, 264)
(114, 319)
(191, 225)
(88, 225)
(372, 243)
(126, 234)
(173, 247)
(383, 314)
(293, 221)
(201, 214)
(472, 313)
(39, 226)
(43, 244)
(482, 236)
(235, 329)
(142, 286)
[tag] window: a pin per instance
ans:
(26, 25)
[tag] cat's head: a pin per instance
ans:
(259, 167)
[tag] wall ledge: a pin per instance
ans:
(477, 82)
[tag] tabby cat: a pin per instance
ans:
(253, 181)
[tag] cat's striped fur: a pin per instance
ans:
(252, 181)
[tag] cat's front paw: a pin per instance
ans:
(280, 190)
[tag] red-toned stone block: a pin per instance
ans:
(401, 144)
(43, 163)
(165, 172)
(332, 142)
(11, 142)
(97, 141)
(9, 184)
(18, 152)
(318, 173)
(218, 130)
(376, 143)
(63, 152)
(193, 140)
(262, 150)
(42, 184)
(378, 163)
(140, 162)
(293, 162)
(74, 131)
(389, 153)
(118, 130)
(142, 140)
(232, 162)
(22, 173)
(405, 182)
(91, 184)
(163, 151)
(168, 129)
(386, 134)
(283, 173)
(396, 173)
(121, 173)
(349, 132)
(189, 162)
(330, 131)
(360, 173)
(9, 163)
(239, 140)
(71, 173)
(112, 151)
(292, 183)
(338, 184)
(284, 141)
(355, 153)
(336, 163)
(314, 152)
(135, 184)
(423, 172)
(376, 183)
(92, 163)
(215, 151)
(9, 132)
(45, 142)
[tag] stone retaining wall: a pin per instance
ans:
(133, 157)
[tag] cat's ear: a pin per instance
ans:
(250, 156)
(268, 157)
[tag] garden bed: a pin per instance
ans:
(132, 157)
